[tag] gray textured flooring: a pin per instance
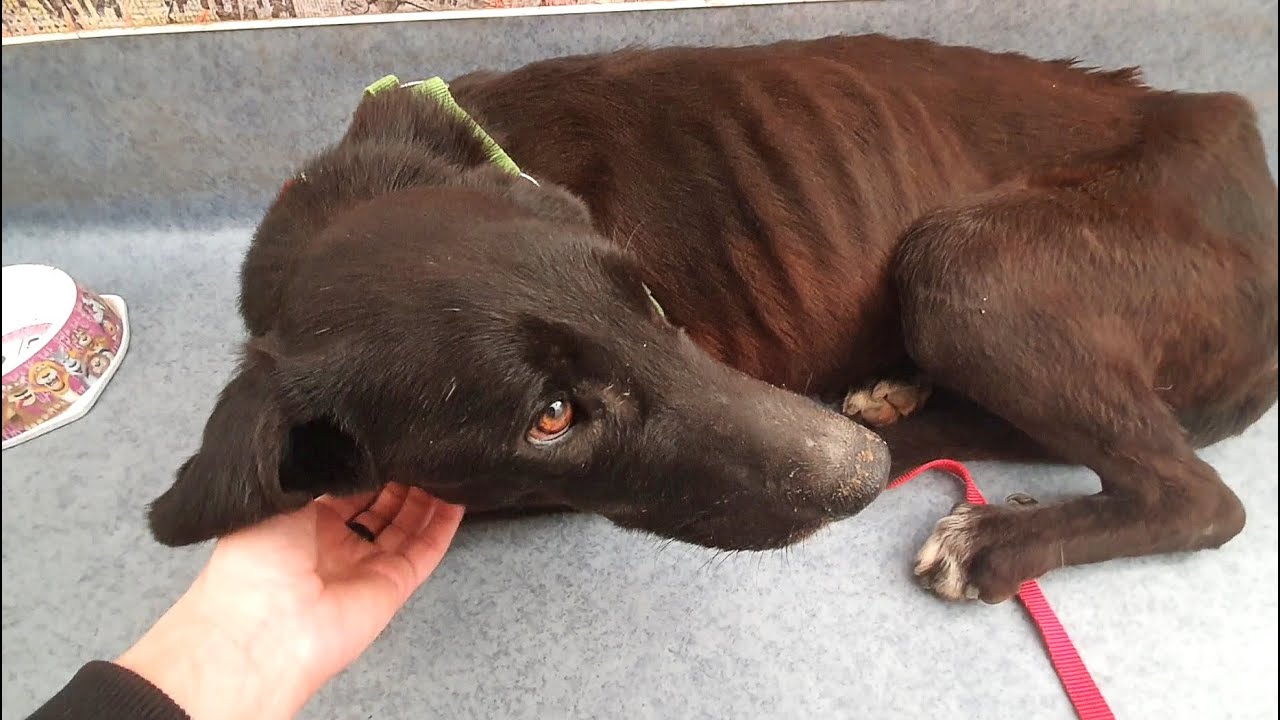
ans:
(138, 165)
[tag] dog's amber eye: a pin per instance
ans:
(554, 421)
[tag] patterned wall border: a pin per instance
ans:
(45, 20)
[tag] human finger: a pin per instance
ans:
(427, 548)
(378, 515)
(414, 513)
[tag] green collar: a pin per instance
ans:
(438, 90)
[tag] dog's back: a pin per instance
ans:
(764, 189)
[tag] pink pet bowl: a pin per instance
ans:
(62, 343)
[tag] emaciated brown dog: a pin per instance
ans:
(992, 256)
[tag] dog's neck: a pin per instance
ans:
(345, 177)
(437, 90)
(438, 140)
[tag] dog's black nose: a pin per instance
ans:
(848, 466)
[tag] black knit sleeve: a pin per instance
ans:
(103, 690)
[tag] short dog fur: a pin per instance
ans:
(992, 256)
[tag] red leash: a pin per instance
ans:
(1075, 677)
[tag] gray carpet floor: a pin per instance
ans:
(139, 166)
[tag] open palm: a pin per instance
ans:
(298, 597)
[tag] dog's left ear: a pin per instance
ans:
(550, 202)
(256, 460)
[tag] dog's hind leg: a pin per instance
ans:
(952, 426)
(1039, 307)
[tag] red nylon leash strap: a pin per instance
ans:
(1082, 691)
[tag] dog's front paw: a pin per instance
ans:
(977, 552)
(885, 402)
(942, 565)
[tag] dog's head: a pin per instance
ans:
(476, 337)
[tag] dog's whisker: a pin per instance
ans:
(724, 557)
(626, 245)
(707, 563)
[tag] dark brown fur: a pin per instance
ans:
(1086, 269)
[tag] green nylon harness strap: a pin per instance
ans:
(438, 90)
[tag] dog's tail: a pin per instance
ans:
(949, 426)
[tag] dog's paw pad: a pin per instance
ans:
(885, 402)
(942, 565)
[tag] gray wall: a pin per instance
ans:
(198, 125)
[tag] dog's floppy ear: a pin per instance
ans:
(550, 202)
(256, 461)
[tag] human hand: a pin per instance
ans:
(283, 606)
